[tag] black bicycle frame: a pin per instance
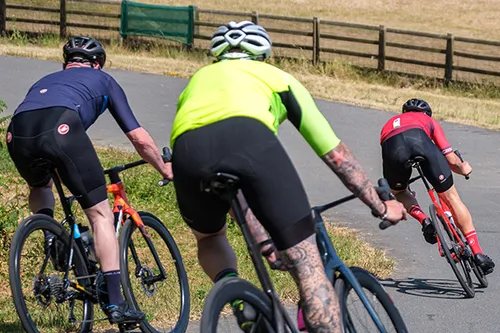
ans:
(74, 234)
(262, 273)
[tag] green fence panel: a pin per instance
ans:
(175, 23)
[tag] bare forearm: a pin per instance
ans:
(146, 148)
(150, 153)
(350, 172)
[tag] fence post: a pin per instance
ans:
(196, 20)
(448, 71)
(62, 19)
(3, 17)
(255, 17)
(316, 39)
(381, 48)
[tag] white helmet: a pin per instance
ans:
(250, 38)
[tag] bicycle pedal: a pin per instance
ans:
(127, 327)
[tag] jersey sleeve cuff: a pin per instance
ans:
(447, 151)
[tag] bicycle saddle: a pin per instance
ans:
(221, 183)
(414, 161)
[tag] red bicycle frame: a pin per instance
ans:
(441, 207)
(121, 208)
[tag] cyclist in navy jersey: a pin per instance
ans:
(49, 128)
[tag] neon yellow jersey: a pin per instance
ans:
(254, 89)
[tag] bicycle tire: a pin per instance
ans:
(226, 291)
(152, 222)
(370, 283)
(441, 228)
(25, 228)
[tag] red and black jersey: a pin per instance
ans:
(409, 120)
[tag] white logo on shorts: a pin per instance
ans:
(43, 91)
(63, 129)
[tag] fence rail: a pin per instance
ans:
(382, 47)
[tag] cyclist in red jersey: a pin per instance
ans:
(415, 133)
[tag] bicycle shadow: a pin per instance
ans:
(11, 327)
(431, 288)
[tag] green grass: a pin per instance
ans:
(144, 195)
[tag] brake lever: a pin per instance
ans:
(384, 192)
(461, 160)
(167, 157)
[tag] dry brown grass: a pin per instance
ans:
(464, 19)
(337, 84)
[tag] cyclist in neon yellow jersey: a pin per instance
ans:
(227, 120)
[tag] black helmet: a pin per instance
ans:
(417, 105)
(86, 48)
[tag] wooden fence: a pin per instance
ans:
(381, 48)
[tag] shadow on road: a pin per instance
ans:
(433, 288)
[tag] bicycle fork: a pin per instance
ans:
(333, 263)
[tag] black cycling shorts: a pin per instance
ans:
(55, 137)
(248, 149)
(400, 148)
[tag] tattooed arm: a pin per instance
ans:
(350, 172)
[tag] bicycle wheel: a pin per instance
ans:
(452, 250)
(165, 300)
(224, 293)
(478, 272)
(355, 316)
(37, 282)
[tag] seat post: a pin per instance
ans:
(60, 192)
(419, 169)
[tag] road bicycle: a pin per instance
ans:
(153, 272)
(271, 316)
(450, 240)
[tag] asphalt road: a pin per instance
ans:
(423, 285)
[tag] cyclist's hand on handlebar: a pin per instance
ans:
(466, 168)
(272, 256)
(167, 172)
(395, 211)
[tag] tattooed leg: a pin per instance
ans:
(320, 305)
(350, 172)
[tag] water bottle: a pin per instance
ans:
(450, 217)
(88, 241)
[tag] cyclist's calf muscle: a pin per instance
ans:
(321, 308)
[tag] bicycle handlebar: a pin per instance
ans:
(383, 191)
(461, 160)
(167, 157)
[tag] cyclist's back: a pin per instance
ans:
(255, 90)
(84, 90)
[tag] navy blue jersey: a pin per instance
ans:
(86, 90)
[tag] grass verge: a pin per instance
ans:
(466, 103)
(145, 195)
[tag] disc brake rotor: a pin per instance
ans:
(145, 274)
